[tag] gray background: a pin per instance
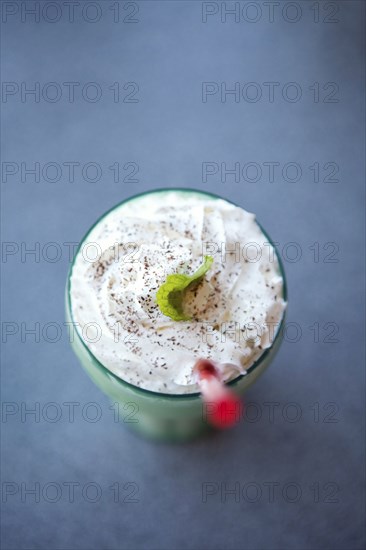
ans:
(169, 133)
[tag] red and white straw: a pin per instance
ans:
(223, 408)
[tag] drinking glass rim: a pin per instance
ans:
(102, 367)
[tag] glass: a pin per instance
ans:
(169, 417)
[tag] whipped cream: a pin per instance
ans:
(235, 310)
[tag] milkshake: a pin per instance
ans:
(172, 277)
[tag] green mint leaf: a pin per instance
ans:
(170, 295)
